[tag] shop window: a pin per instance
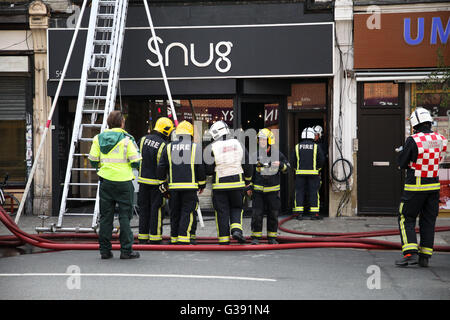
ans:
(381, 94)
(12, 150)
(202, 112)
(307, 96)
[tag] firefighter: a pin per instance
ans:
(182, 161)
(232, 173)
(319, 139)
(270, 162)
(307, 158)
(420, 156)
(150, 199)
(114, 153)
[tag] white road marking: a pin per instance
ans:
(135, 275)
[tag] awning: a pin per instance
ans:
(398, 76)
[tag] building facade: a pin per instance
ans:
(354, 67)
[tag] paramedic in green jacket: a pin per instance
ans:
(114, 153)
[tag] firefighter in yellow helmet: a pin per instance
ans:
(270, 163)
(150, 199)
(181, 164)
(115, 153)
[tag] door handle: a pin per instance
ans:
(381, 163)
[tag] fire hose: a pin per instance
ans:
(318, 240)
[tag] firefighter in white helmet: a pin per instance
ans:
(307, 159)
(231, 173)
(420, 156)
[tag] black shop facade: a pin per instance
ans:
(257, 66)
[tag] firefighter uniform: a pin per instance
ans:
(420, 157)
(230, 178)
(150, 200)
(182, 161)
(266, 187)
(114, 152)
(307, 159)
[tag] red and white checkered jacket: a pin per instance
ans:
(431, 149)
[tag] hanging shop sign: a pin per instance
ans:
(209, 52)
(402, 40)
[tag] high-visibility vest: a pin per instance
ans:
(430, 149)
(116, 164)
(306, 158)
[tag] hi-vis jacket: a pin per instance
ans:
(182, 161)
(307, 158)
(267, 178)
(420, 176)
(151, 147)
(231, 168)
(115, 152)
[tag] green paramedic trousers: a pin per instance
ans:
(112, 192)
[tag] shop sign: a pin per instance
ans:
(402, 40)
(208, 52)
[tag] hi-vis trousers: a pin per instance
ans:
(307, 185)
(228, 206)
(183, 215)
(426, 206)
(151, 203)
(265, 202)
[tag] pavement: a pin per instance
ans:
(227, 276)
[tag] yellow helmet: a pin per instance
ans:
(267, 134)
(185, 127)
(164, 125)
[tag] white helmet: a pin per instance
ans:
(318, 130)
(420, 115)
(219, 129)
(308, 133)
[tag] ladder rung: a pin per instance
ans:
(83, 169)
(101, 55)
(93, 111)
(102, 42)
(107, 3)
(94, 84)
(105, 15)
(81, 199)
(100, 69)
(92, 125)
(83, 184)
(77, 214)
(95, 97)
(104, 29)
(86, 139)
(81, 155)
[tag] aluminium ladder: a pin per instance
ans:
(96, 99)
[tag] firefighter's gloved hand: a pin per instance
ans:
(164, 189)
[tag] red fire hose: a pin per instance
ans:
(320, 240)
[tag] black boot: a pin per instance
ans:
(407, 260)
(316, 216)
(107, 255)
(272, 241)
(423, 261)
(255, 241)
(131, 255)
(237, 235)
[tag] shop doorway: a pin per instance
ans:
(296, 123)
(381, 129)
